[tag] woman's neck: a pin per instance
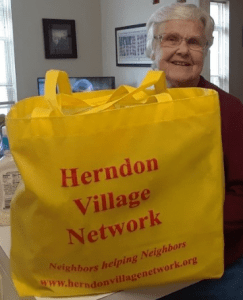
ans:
(189, 83)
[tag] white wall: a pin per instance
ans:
(29, 45)
(117, 13)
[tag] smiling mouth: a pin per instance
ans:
(180, 63)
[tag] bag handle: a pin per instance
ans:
(53, 79)
(156, 78)
(158, 94)
(124, 95)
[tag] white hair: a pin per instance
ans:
(175, 12)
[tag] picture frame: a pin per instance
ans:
(59, 38)
(131, 46)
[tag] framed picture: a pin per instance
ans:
(131, 46)
(59, 38)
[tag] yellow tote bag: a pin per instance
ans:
(121, 188)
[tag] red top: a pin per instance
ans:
(232, 138)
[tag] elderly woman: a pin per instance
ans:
(179, 37)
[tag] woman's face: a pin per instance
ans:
(182, 66)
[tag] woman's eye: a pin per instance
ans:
(194, 42)
(172, 38)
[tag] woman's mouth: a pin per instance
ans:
(181, 63)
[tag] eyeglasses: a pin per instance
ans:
(174, 40)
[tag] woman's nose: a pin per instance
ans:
(183, 47)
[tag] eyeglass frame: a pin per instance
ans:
(160, 37)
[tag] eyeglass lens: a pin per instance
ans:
(173, 40)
